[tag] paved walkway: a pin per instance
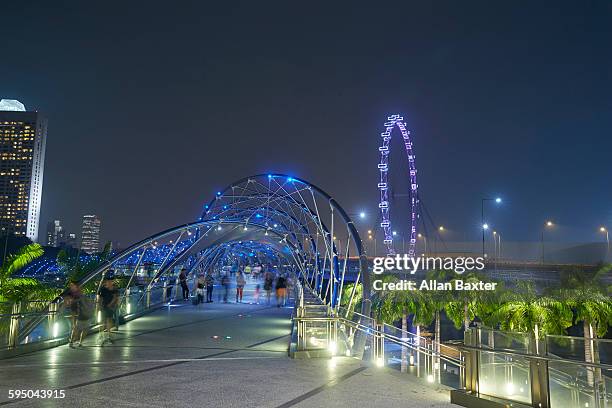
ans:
(214, 355)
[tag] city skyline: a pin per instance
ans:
(313, 107)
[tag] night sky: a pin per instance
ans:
(154, 107)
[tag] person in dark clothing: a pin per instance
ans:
(72, 300)
(109, 300)
(183, 283)
(281, 291)
(84, 314)
(268, 281)
(225, 282)
(210, 285)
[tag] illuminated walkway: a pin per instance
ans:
(217, 355)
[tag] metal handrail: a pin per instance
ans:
(536, 357)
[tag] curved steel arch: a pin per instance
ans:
(210, 219)
(249, 186)
(383, 186)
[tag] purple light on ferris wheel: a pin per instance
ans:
(392, 122)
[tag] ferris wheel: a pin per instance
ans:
(393, 122)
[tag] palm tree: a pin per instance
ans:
(391, 306)
(433, 302)
(586, 293)
(349, 300)
(462, 309)
(525, 310)
(13, 289)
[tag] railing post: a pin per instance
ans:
(471, 361)
(165, 292)
(300, 333)
(301, 296)
(127, 301)
(53, 312)
(13, 336)
(538, 372)
(379, 344)
(148, 295)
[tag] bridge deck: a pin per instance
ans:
(170, 359)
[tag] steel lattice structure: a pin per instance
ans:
(285, 220)
(384, 185)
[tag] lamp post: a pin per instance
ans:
(497, 200)
(403, 242)
(5, 243)
(497, 246)
(548, 224)
(605, 231)
(441, 229)
(371, 238)
(419, 235)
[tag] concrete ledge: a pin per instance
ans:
(460, 397)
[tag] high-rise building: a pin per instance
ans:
(90, 234)
(71, 240)
(50, 233)
(23, 136)
(56, 235)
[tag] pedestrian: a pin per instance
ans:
(210, 285)
(281, 291)
(183, 283)
(256, 294)
(240, 282)
(84, 314)
(109, 299)
(225, 282)
(199, 289)
(71, 300)
(268, 281)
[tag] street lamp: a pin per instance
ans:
(371, 238)
(497, 242)
(605, 230)
(362, 215)
(419, 235)
(497, 200)
(441, 228)
(549, 224)
(5, 244)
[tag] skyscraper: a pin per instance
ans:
(56, 235)
(23, 136)
(90, 234)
